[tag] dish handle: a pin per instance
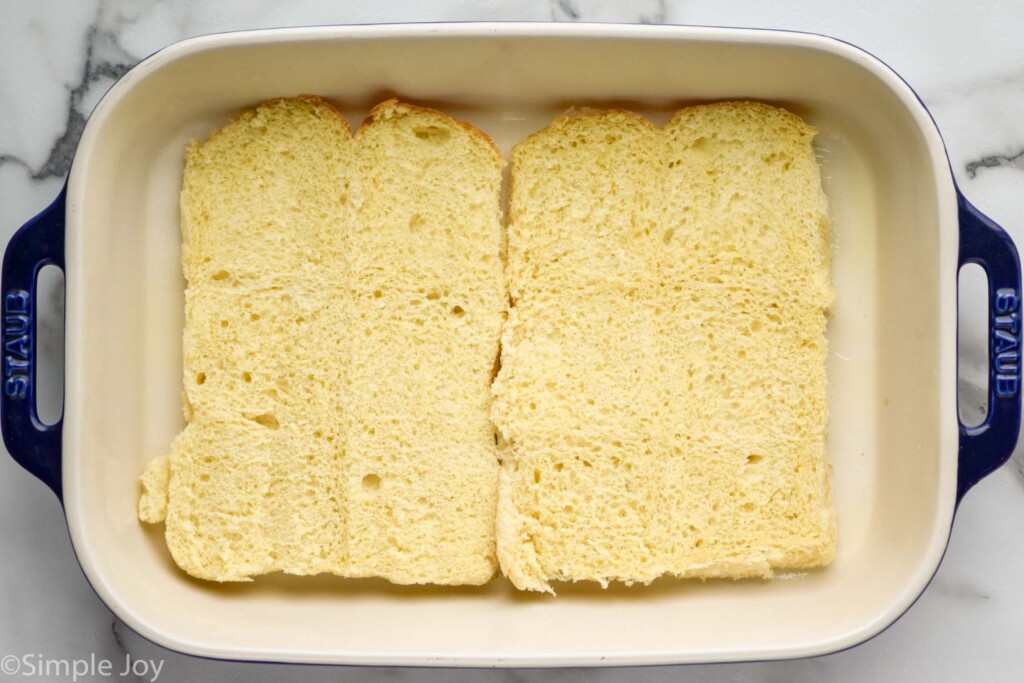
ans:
(985, 447)
(36, 446)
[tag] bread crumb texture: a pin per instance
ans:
(154, 481)
(662, 394)
(343, 312)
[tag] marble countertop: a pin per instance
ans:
(966, 61)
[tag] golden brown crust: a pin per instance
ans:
(316, 103)
(574, 114)
(320, 103)
(393, 106)
(381, 111)
(746, 106)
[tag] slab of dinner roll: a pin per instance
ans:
(344, 305)
(662, 395)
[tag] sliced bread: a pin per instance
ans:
(343, 309)
(662, 399)
(428, 301)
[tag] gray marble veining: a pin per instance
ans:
(638, 12)
(1015, 160)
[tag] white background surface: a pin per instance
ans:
(966, 61)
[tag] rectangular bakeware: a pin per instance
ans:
(900, 232)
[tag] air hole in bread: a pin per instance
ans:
(246, 377)
(201, 378)
(416, 222)
(458, 311)
(377, 294)
(221, 275)
(371, 482)
(268, 420)
(754, 459)
(434, 134)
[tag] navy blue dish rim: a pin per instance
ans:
(987, 446)
(34, 445)
(983, 448)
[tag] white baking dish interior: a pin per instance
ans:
(893, 428)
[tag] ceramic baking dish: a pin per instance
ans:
(901, 231)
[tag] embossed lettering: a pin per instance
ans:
(18, 346)
(17, 301)
(1007, 362)
(16, 387)
(1007, 385)
(12, 365)
(1008, 322)
(1003, 341)
(15, 324)
(1006, 300)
